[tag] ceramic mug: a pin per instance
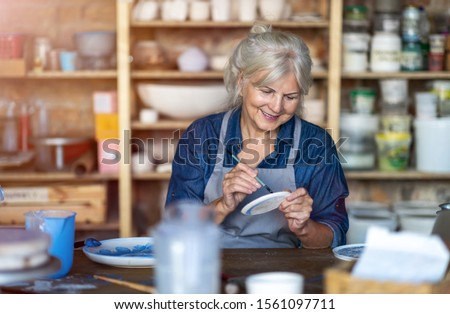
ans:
(247, 10)
(68, 61)
(199, 10)
(60, 225)
(275, 283)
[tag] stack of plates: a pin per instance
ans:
(22, 249)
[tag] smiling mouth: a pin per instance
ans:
(269, 116)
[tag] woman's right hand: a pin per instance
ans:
(237, 184)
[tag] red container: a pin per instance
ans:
(11, 46)
(436, 61)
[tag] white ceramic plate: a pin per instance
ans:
(264, 203)
(123, 252)
(350, 252)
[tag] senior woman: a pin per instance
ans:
(266, 77)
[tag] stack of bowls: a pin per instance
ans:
(416, 216)
(363, 215)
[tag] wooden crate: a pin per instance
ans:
(87, 200)
(339, 280)
(12, 67)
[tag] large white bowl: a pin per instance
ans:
(183, 101)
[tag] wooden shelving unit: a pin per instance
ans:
(330, 24)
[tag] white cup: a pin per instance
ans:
(275, 283)
(148, 115)
(176, 10)
(271, 10)
(247, 10)
(221, 10)
(146, 10)
(199, 10)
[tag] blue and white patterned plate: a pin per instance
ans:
(264, 204)
(123, 252)
(350, 252)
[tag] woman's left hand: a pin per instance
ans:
(297, 208)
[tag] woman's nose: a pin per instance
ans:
(276, 104)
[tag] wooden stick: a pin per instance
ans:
(132, 285)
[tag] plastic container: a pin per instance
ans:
(426, 105)
(394, 90)
(393, 150)
(355, 52)
(362, 100)
(359, 151)
(387, 22)
(432, 144)
(355, 12)
(187, 250)
(395, 123)
(388, 6)
(385, 52)
(411, 23)
(442, 89)
(411, 57)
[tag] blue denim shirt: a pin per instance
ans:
(317, 167)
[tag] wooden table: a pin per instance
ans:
(236, 265)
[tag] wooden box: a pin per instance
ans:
(12, 68)
(339, 280)
(106, 126)
(87, 200)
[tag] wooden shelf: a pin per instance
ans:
(401, 175)
(161, 125)
(29, 177)
(110, 74)
(174, 74)
(152, 176)
(229, 24)
(404, 75)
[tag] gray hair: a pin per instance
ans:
(274, 52)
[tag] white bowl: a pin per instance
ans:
(183, 101)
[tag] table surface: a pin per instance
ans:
(236, 265)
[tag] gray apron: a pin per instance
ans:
(268, 230)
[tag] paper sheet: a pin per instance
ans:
(402, 257)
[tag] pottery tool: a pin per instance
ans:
(2, 194)
(257, 178)
(132, 285)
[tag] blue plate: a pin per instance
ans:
(123, 252)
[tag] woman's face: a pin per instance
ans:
(266, 108)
